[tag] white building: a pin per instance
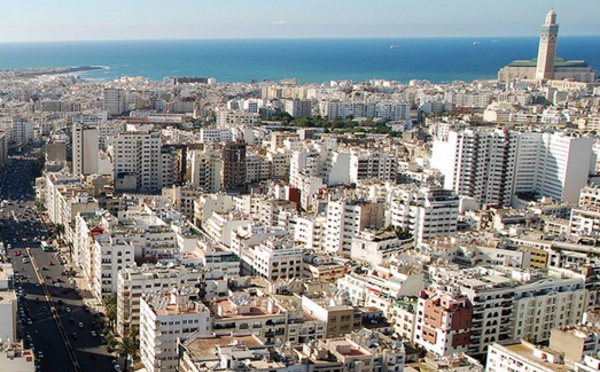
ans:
(373, 164)
(114, 101)
(215, 135)
(205, 168)
(8, 304)
(229, 118)
(138, 161)
(476, 163)
(424, 212)
(346, 218)
(523, 356)
(278, 259)
(308, 230)
(510, 304)
(111, 254)
(376, 246)
(85, 149)
(491, 166)
(298, 108)
(134, 281)
(165, 317)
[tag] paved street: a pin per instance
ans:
(51, 314)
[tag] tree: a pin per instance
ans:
(39, 205)
(110, 305)
(127, 346)
(59, 229)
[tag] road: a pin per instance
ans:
(50, 309)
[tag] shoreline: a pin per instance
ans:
(35, 72)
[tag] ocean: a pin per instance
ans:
(439, 60)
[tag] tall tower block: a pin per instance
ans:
(547, 51)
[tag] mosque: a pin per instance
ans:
(547, 66)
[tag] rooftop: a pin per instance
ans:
(206, 346)
(558, 62)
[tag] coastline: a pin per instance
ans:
(35, 72)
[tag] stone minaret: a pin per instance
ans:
(547, 51)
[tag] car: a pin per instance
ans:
(80, 324)
(57, 285)
(68, 309)
(74, 335)
(18, 253)
(29, 321)
(40, 354)
(93, 333)
(72, 320)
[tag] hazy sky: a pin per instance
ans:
(44, 20)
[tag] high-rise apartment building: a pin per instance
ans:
(443, 322)
(138, 163)
(85, 147)
(476, 163)
(205, 168)
(233, 156)
(134, 281)
(424, 212)
(165, 317)
(492, 166)
(298, 108)
(346, 218)
(114, 101)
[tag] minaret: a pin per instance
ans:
(547, 51)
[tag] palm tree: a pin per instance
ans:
(110, 305)
(127, 346)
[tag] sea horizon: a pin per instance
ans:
(311, 60)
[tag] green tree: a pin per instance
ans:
(59, 229)
(110, 305)
(127, 346)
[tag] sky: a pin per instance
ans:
(65, 20)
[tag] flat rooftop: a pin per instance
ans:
(206, 347)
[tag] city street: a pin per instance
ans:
(51, 315)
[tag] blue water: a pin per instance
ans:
(311, 60)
